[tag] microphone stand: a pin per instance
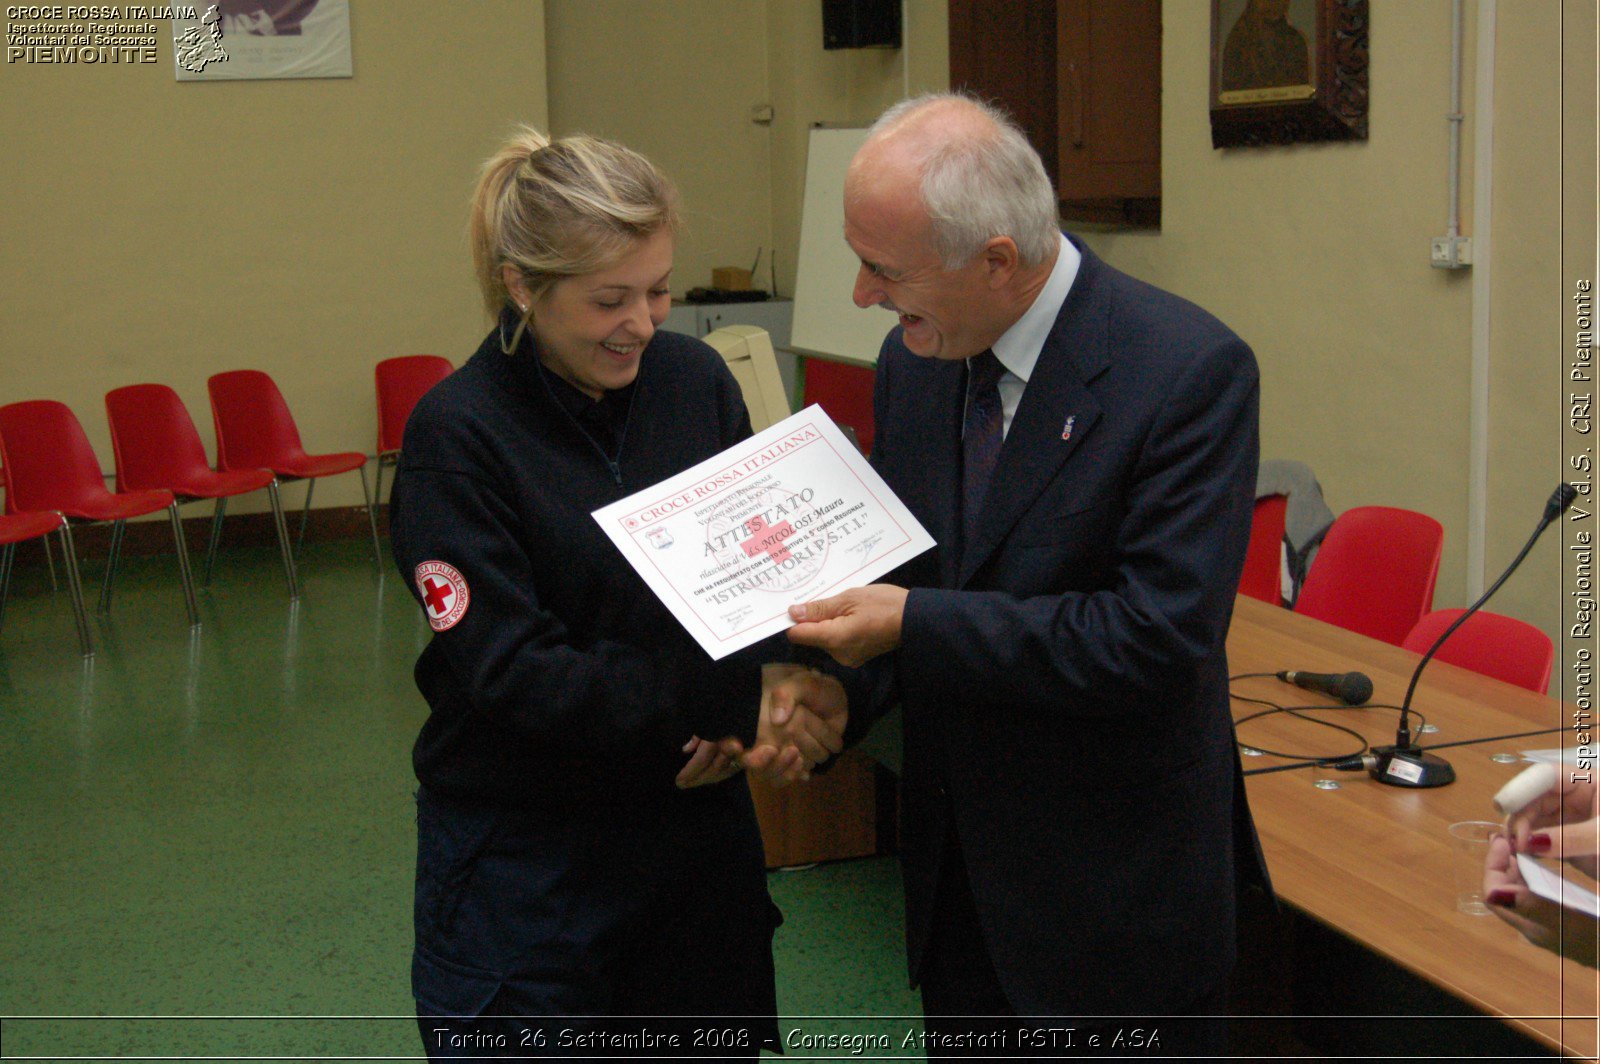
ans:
(1405, 764)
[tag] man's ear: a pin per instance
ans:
(1000, 260)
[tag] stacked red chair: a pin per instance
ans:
(845, 393)
(256, 431)
(51, 468)
(1491, 644)
(158, 447)
(401, 381)
(19, 528)
(1263, 561)
(1375, 573)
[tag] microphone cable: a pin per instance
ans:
(1299, 712)
(1330, 763)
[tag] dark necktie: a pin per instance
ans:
(980, 438)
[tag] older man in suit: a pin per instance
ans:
(1083, 448)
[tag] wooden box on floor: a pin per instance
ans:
(832, 816)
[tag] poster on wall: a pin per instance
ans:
(236, 40)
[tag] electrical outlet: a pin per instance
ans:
(1451, 252)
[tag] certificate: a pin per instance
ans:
(792, 514)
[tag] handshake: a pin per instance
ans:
(802, 722)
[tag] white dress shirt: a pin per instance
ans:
(1019, 346)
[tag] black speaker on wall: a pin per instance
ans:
(860, 24)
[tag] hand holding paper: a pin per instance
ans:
(1563, 822)
(854, 627)
(1530, 899)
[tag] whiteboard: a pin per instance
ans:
(827, 321)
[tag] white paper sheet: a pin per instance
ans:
(793, 514)
(1557, 756)
(1550, 886)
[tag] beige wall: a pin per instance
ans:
(846, 87)
(677, 82)
(684, 93)
(1318, 256)
(162, 232)
(1530, 315)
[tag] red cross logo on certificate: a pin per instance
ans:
(444, 594)
(767, 539)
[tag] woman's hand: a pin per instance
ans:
(707, 764)
(1564, 822)
(1547, 925)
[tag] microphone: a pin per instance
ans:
(1560, 501)
(1405, 764)
(1351, 688)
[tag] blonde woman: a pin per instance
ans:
(567, 874)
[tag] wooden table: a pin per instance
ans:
(1374, 861)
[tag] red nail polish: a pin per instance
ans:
(1539, 843)
(1503, 898)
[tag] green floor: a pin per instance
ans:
(208, 837)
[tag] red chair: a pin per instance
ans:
(49, 466)
(1263, 560)
(18, 528)
(256, 431)
(1375, 572)
(401, 382)
(1489, 643)
(157, 446)
(845, 393)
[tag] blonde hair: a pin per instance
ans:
(554, 209)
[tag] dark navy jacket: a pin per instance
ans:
(565, 680)
(1065, 682)
(559, 871)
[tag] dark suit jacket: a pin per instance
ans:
(1064, 684)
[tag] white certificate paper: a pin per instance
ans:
(792, 514)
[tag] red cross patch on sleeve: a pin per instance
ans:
(444, 594)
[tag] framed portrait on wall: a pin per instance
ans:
(1288, 71)
(233, 40)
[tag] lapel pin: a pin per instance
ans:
(1066, 430)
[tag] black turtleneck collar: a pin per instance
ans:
(602, 419)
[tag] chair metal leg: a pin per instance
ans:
(377, 484)
(282, 527)
(117, 530)
(216, 534)
(183, 566)
(6, 558)
(372, 521)
(75, 583)
(50, 560)
(305, 515)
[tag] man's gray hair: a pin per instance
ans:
(979, 186)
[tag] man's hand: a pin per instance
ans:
(803, 717)
(855, 626)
